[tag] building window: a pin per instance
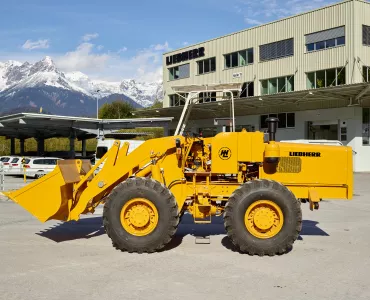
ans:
(247, 90)
(325, 39)
(286, 120)
(179, 72)
(365, 125)
(207, 97)
(277, 50)
(366, 74)
(277, 85)
(239, 58)
(326, 78)
(366, 35)
(206, 65)
(178, 99)
(325, 44)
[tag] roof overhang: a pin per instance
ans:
(28, 125)
(344, 95)
(207, 87)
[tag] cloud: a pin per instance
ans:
(40, 44)
(82, 59)
(124, 49)
(144, 65)
(103, 64)
(252, 21)
(89, 36)
(264, 11)
(185, 43)
(159, 47)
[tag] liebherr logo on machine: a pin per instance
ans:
(224, 153)
(308, 154)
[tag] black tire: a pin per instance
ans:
(237, 206)
(162, 199)
(38, 176)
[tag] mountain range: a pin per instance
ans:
(26, 87)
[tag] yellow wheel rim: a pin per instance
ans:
(139, 217)
(264, 219)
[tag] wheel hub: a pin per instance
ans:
(264, 219)
(139, 217)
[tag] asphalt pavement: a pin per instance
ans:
(75, 260)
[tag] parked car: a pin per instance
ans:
(15, 166)
(37, 167)
(4, 158)
(7, 163)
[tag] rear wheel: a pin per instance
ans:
(140, 215)
(263, 217)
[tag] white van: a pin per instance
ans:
(105, 144)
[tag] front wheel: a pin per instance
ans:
(263, 217)
(140, 215)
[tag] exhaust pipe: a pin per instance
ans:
(272, 150)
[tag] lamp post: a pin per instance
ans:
(97, 104)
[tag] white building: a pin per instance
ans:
(312, 70)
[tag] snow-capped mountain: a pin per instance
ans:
(42, 84)
(144, 93)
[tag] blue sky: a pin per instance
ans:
(114, 39)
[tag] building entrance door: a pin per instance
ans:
(323, 130)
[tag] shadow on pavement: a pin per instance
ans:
(87, 228)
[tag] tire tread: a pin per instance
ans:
(167, 197)
(244, 191)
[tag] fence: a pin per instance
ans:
(8, 183)
(2, 177)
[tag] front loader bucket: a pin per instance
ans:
(50, 197)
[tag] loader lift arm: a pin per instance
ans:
(79, 191)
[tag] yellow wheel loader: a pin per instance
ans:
(255, 184)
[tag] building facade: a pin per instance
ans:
(312, 51)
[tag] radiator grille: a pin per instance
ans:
(289, 165)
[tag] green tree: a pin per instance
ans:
(157, 104)
(116, 110)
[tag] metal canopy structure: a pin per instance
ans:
(337, 96)
(39, 126)
(28, 125)
(125, 135)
